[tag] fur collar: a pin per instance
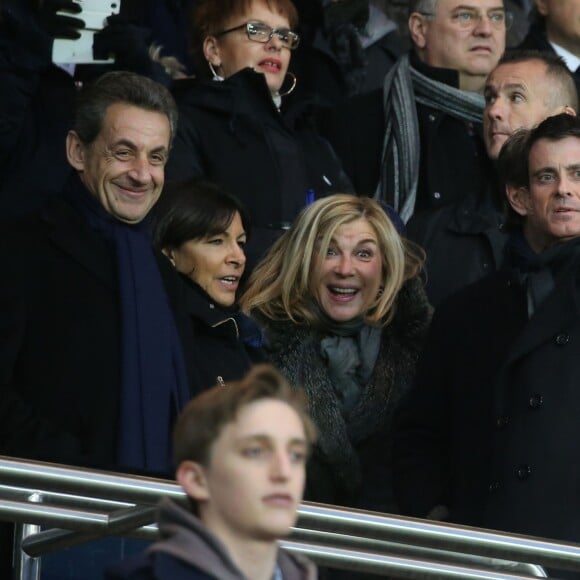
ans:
(295, 351)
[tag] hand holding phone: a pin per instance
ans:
(94, 14)
(128, 42)
(32, 28)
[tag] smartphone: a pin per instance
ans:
(94, 13)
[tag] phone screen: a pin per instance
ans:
(94, 13)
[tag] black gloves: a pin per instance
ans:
(28, 31)
(127, 42)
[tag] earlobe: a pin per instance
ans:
(75, 151)
(211, 51)
(192, 478)
(518, 199)
(417, 28)
(168, 253)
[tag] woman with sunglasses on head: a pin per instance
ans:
(242, 129)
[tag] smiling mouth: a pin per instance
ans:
(340, 291)
(132, 191)
(229, 280)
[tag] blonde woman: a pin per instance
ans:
(344, 314)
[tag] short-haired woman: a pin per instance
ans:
(203, 231)
(240, 130)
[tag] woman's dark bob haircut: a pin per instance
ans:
(192, 210)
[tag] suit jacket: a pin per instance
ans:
(60, 339)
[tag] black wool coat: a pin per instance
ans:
(464, 242)
(351, 464)
(491, 427)
(452, 160)
(60, 362)
(231, 133)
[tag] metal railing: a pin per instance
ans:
(88, 504)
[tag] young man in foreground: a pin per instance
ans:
(241, 454)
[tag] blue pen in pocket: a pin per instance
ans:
(310, 196)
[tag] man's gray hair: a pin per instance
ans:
(426, 6)
(120, 87)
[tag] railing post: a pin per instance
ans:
(25, 567)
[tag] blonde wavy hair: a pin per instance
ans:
(280, 286)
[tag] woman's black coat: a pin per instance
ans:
(220, 354)
(351, 464)
(231, 133)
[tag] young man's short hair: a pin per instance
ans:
(203, 419)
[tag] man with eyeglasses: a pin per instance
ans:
(556, 28)
(417, 144)
(464, 241)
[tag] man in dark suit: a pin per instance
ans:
(556, 28)
(416, 144)
(92, 363)
(489, 434)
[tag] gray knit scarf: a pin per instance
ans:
(404, 86)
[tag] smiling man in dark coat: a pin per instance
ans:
(489, 434)
(92, 368)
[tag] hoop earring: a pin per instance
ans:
(215, 76)
(294, 81)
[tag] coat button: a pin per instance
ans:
(494, 486)
(436, 195)
(502, 421)
(432, 117)
(536, 401)
(523, 472)
(562, 339)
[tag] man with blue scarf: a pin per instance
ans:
(92, 353)
(93, 350)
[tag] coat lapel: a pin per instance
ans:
(559, 311)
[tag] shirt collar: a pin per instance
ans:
(571, 60)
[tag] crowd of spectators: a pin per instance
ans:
(302, 182)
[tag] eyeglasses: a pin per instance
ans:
(470, 18)
(260, 32)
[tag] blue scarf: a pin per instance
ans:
(154, 386)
